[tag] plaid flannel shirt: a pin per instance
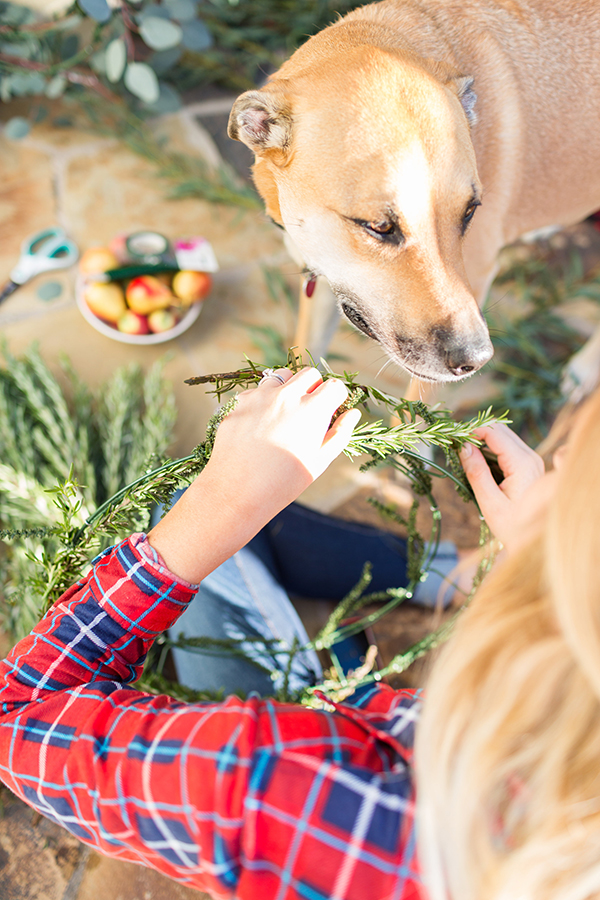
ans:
(239, 798)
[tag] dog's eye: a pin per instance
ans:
(384, 231)
(469, 213)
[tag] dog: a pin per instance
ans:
(403, 146)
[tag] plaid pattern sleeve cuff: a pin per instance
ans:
(132, 583)
(100, 629)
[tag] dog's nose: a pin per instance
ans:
(468, 358)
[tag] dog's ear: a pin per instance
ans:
(467, 96)
(262, 120)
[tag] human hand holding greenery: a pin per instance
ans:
(508, 507)
(274, 443)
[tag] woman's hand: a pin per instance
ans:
(510, 507)
(279, 437)
(274, 443)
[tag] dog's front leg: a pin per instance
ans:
(318, 319)
(582, 372)
(318, 313)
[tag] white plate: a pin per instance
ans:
(116, 335)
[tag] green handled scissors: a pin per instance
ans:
(42, 252)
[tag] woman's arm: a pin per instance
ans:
(147, 778)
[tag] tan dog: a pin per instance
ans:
(377, 141)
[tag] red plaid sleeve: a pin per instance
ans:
(246, 798)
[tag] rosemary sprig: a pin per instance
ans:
(420, 425)
(76, 533)
(61, 449)
(378, 439)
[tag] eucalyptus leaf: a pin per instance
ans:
(153, 10)
(14, 14)
(19, 49)
(56, 86)
(160, 34)
(98, 62)
(196, 36)
(17, 128)
(96, 9)
(182, 10)
(163, 60)
(5, 84)
(69, 46)
(23, 83)
(115, 59)
(141, 80)
(169, 100)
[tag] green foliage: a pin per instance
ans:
(63, 450)
(78, 529)
(394, 446)
(123, 64)
(533, 348)
(147, 52)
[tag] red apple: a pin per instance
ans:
(191, 287)
(146, 293)
(162, 320)
(106, 300)
(133, 323)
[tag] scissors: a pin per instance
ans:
(42, 252)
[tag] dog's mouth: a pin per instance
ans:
(430, 361)
(435, 379)
(358, 320)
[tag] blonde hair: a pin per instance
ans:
(508, 749)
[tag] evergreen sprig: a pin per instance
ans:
(78, 532)
(63, 448)
(420, 425)
(381, 440)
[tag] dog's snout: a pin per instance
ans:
(463, 359)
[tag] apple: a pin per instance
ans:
(133, 323)
(191, 287)
(106, 300)
(162, 320)
(146, 293)
(97, 259)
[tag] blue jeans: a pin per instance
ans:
(300, 552)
